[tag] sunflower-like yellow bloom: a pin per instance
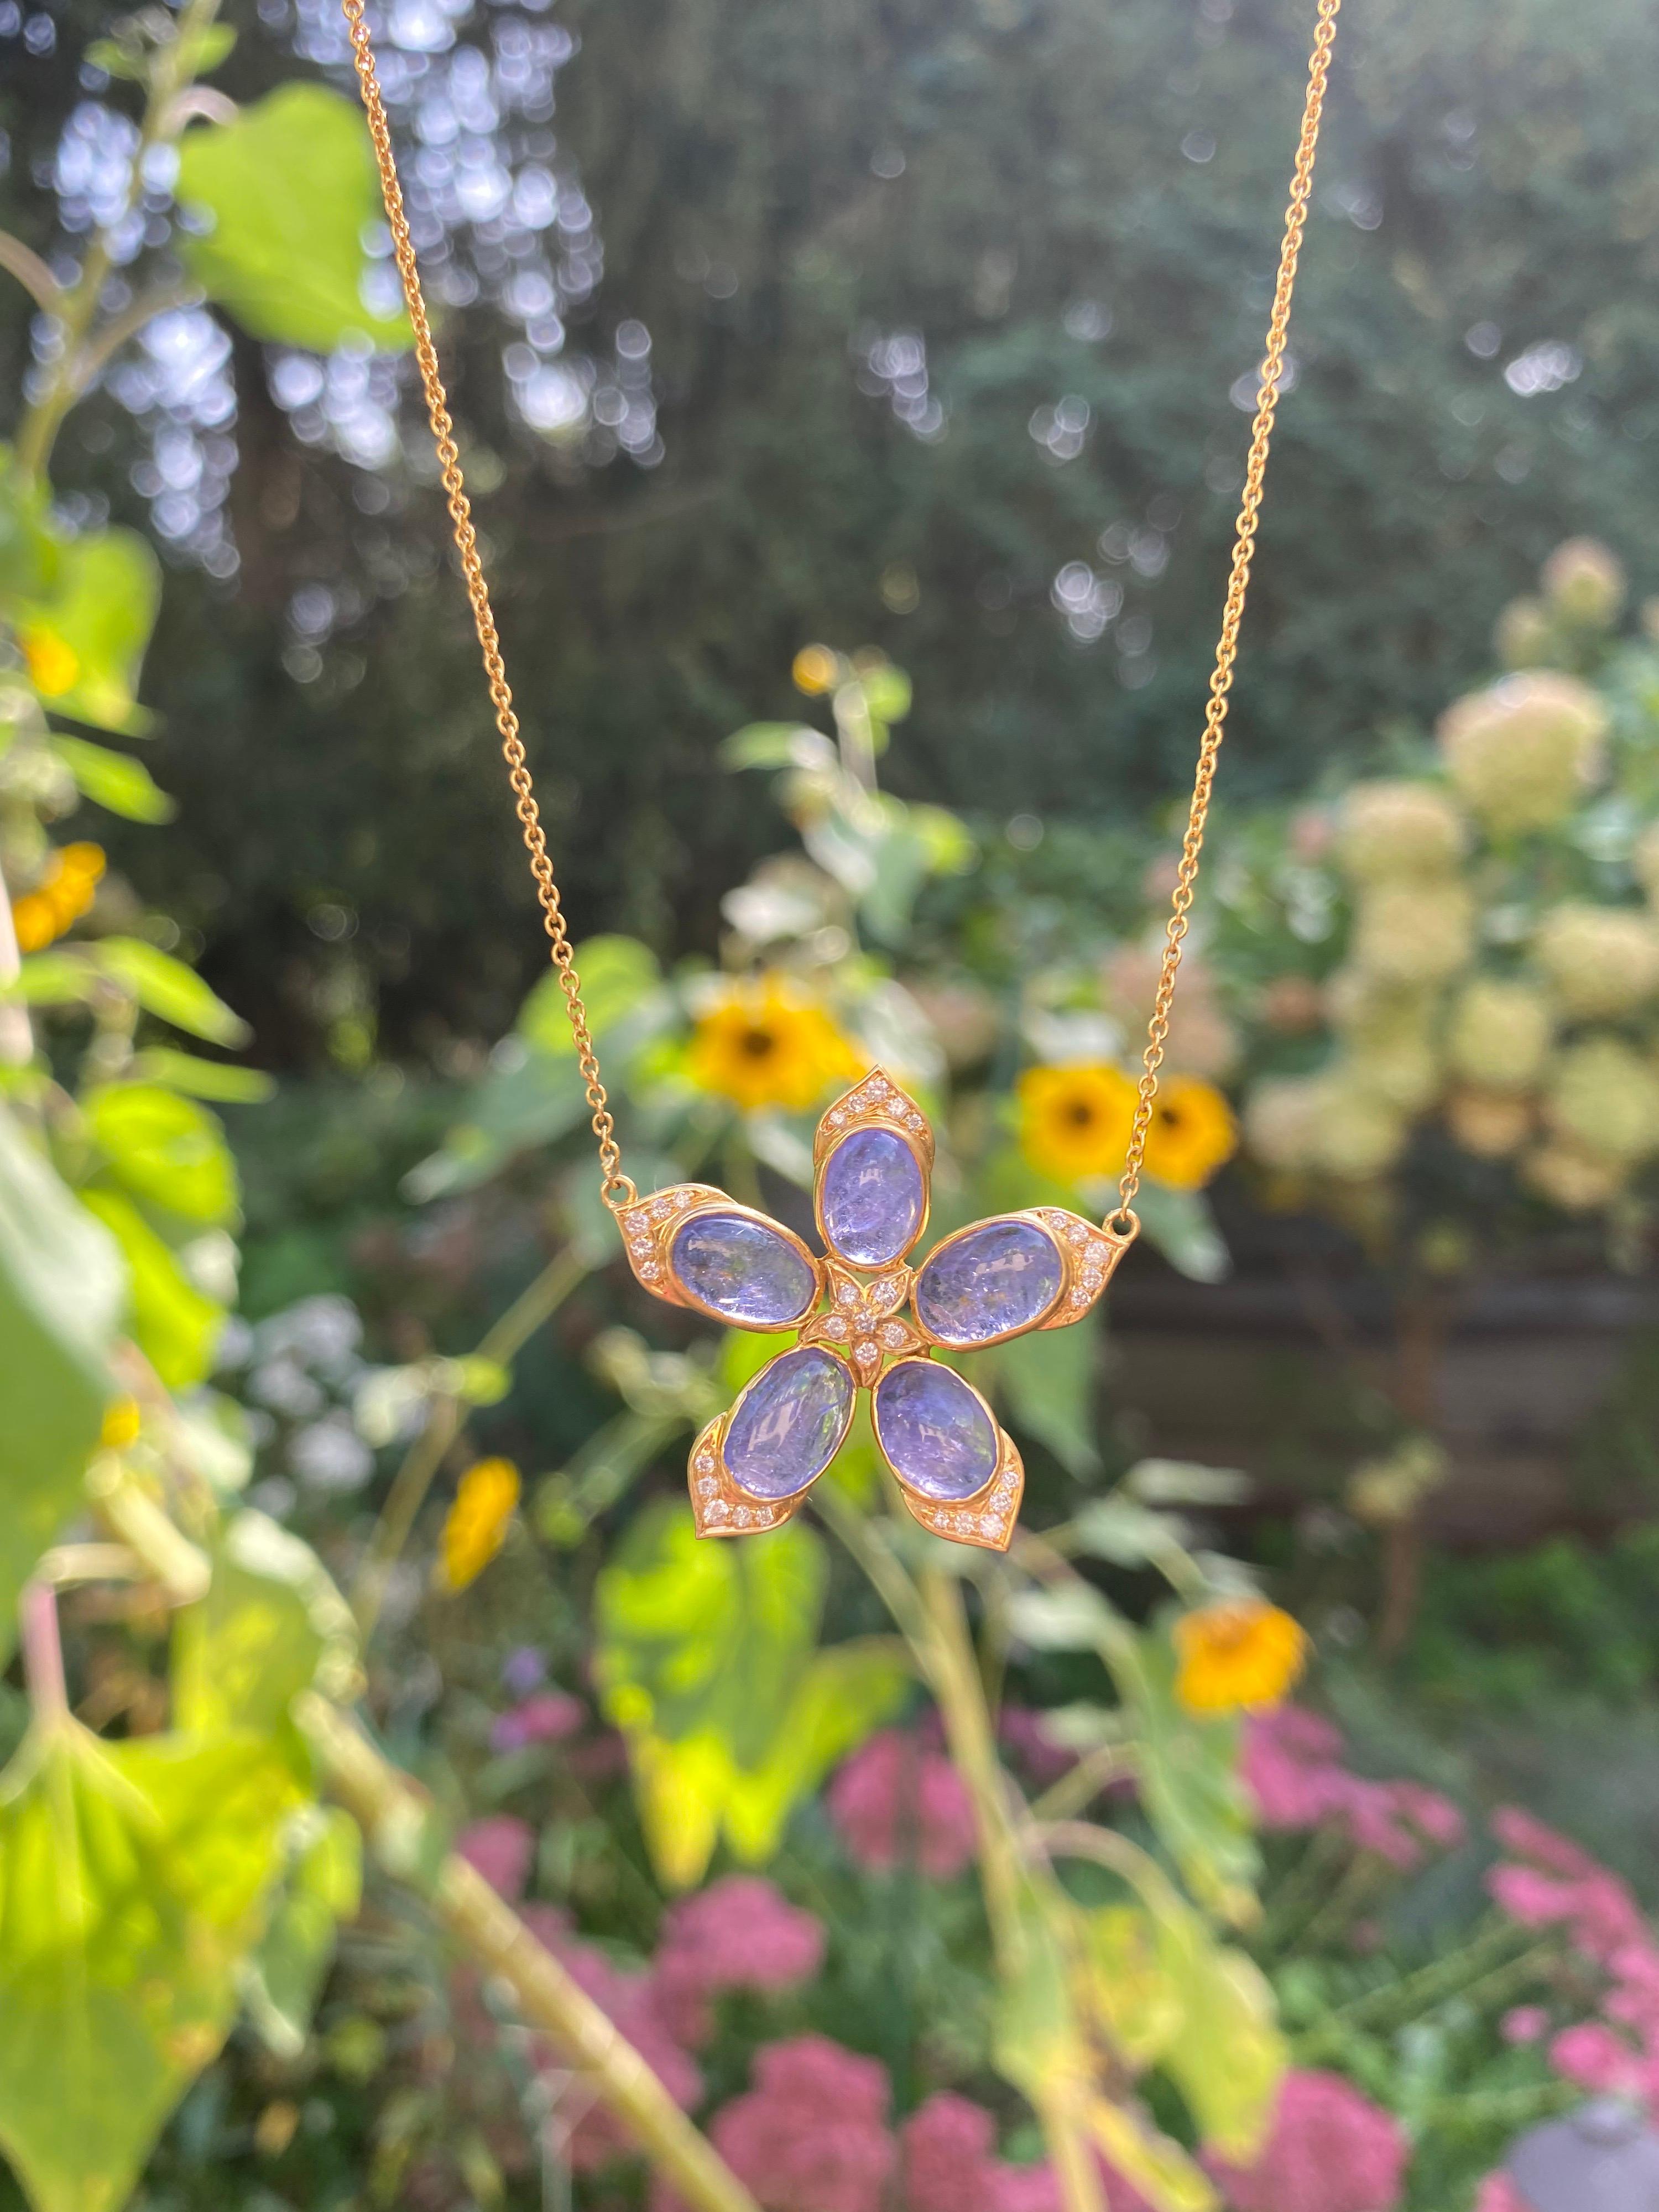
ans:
(767, 1043)
(62, 895)
(1238, 1657)
(1191, 1135)
(1075, 1122)
(476, 1525)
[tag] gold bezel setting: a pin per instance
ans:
(649, 1232)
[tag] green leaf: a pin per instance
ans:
(115, 780)
(1049, 1379)
(775, 745)
(1189, 1785)
(61, 1294)
(283, 1979)
(1181, 1225)
(618, 975)
(30, 550)
(175, 1325)
(132, 1880)
(706, 1660)
(204, 1078)
(291, 188)
(54, 979)
(271, 1625)
(166, 988)
(1229, 2056)
(166, 1149)
(84, 643)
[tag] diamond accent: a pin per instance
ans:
(893, 1335)
(863, 1352)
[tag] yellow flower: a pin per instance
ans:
(1501, 1033)
(52, 665)
(1585, 583)
(1075, 1122)
(121, 1424)
(476, 1522)
(1238, 1655)
(1598, 959)
(62, 895)
(1192, 1133)
(1524, 752)
(766, 1044)
(1490, 1123)
(1397, 828)
(815, 670)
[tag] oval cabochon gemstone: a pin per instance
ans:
(743, 1270)
(934, 1431)
(999, 1277)
(872, 1200)
(789, 1424)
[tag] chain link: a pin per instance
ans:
(1123, 1219)
(616, 1188)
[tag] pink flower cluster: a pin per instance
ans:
(545, 1716)
(1330, 2149)
(1547, 1881)
(897, 1801)
(737, 1934)
(1292, 1765)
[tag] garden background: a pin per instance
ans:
(401, 1806)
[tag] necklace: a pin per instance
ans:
(863, 1317)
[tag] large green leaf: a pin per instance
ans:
(176, 1325)
(707, 1660)
(60, 1292)
(283, 1977)
(164, 1149)
(618, 974)
(289, 186)
(164, 986)
(132, 1881)
(84, 644)
(271, 1625)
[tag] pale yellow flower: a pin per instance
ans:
(1585, 583)
(1500, 1033)
(1359, 1132)
(1419, 932)
(770, 1043)
(1600, 960)
(1525, 636)
(1281, 1121)
(1396, 829)
(1239, 1655)
(1575, 1177)
(1523, 753)
(476, 1525)
(1404, 1072)
(1605, 1097)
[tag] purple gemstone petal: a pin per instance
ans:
(743, 1270)
(934, 1431)
(988, 1282)
(789, 1424)
(872, 1200)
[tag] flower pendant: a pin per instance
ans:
(866, 1319)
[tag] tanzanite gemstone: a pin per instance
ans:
(743, 1270)
(934, 1430)
(789, 1424)
(872, 1200)
(988, 1281)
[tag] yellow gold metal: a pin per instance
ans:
(1123, 1219)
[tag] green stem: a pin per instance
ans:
(505, 1340)
(77, 309)
(393, 1818)
(43, 1651)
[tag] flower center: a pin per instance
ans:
(757, 1043)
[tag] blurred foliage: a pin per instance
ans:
(1051, 228)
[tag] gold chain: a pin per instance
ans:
(616, 1188)
(1123, 1217)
